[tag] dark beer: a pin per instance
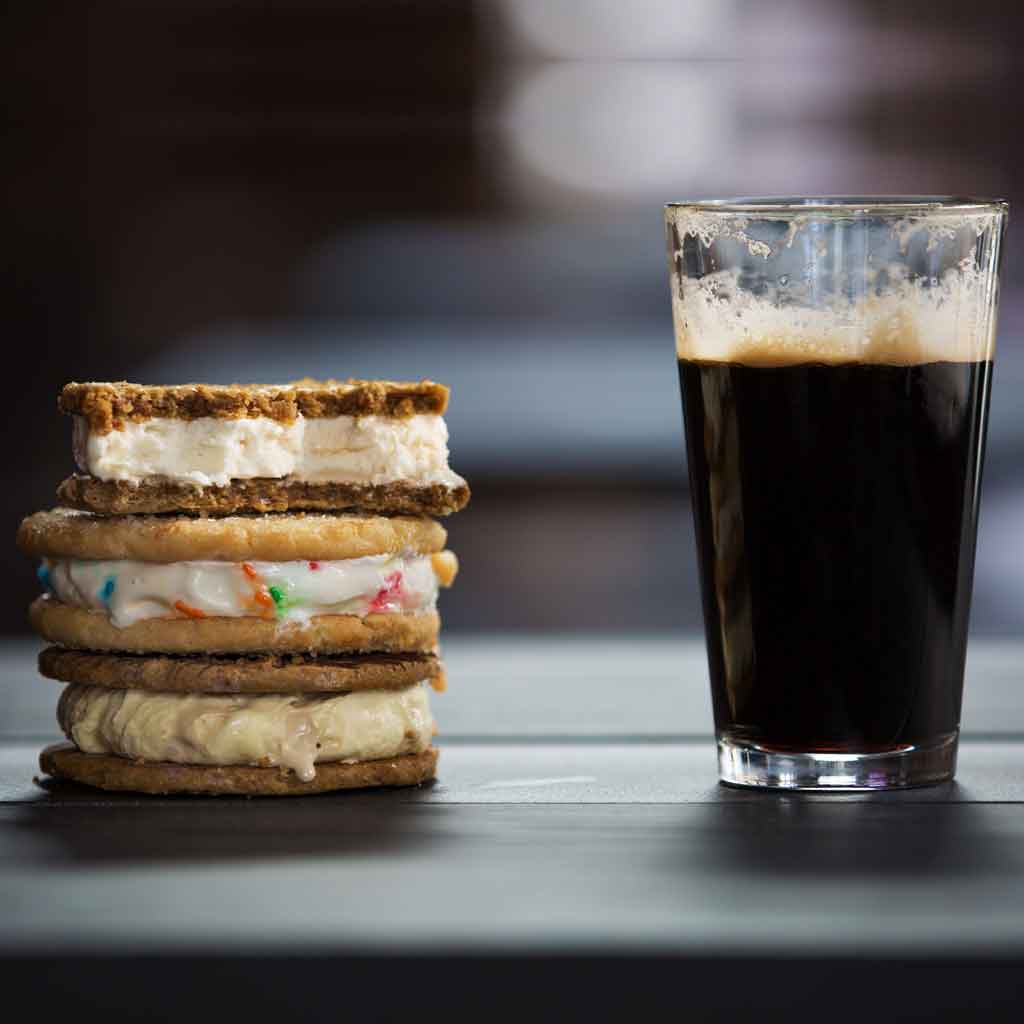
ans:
(835, 510)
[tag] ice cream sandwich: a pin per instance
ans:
(267, 725)
(282, 583)
(375, 446)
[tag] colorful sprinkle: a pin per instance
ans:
(107, 590)
(389, 596)
(187, 609)
(282, 600)
(260, 595)
(43, 575)
(314, 566)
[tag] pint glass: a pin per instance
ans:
(835, 361)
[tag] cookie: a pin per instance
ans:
(65, 533)
(253, 674)
(109, 772)
(108, 406)
(159, 495)
(83, 629)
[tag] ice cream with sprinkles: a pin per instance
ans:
(130, 591)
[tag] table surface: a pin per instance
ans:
(577, 810)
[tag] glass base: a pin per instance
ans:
(742, 763)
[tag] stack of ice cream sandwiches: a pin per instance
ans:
(241, 586)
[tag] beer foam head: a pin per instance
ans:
(774, 303)
(909, 322)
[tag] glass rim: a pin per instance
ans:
(844, 205)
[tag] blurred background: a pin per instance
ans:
(231, 190)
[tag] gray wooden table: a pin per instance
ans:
(577, 820)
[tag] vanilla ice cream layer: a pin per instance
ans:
(210, 451)
(130, 591)
(290, 731)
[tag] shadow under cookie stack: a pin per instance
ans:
(241, 586)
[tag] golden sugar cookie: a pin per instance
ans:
(66, 533)
(320, 634)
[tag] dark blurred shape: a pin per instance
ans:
(252, 190)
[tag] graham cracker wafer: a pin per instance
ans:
(108, 406)
(157, 495)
